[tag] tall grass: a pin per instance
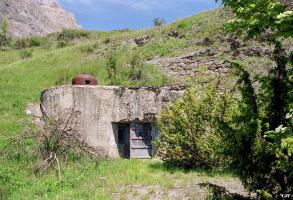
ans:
(109, 179)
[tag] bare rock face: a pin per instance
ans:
(35, 17)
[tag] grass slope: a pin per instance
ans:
(120, 179)
(25, 72)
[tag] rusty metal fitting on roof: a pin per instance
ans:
(84, 79)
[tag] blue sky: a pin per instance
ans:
(133, 14)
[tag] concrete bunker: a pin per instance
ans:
(118, 121)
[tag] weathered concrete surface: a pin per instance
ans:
(101, 106)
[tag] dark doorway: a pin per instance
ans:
(123, 140)
(134, 140)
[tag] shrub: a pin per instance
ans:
(188, 138)
(62, 44)
(4, 33)
(111, 66)
(36, 41)
(59, 139)
(21, 43)
(25, 54)
(263, 160)
(276, 153)
(136, 67)
(238, 125)
(69, 35)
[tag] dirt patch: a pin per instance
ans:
(203, 62)
(179, 189)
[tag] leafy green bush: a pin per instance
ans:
(279, 146)
(188, 138)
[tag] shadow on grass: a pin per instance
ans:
(217, 192)
(205, 170)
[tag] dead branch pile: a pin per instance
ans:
(59, 138)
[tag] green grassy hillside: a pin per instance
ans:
(58, 57)
(30, 65)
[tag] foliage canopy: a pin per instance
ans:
(255, 17)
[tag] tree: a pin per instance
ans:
(254, 17)
(159, 22)
(263, 159)
(4, 35)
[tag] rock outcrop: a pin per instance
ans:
(212, 59)
(289, 3)
(192, 64)
(35, 17)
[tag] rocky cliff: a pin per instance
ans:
(35, 17)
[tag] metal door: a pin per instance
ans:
(140, 140)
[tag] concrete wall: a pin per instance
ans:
(100, 106)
